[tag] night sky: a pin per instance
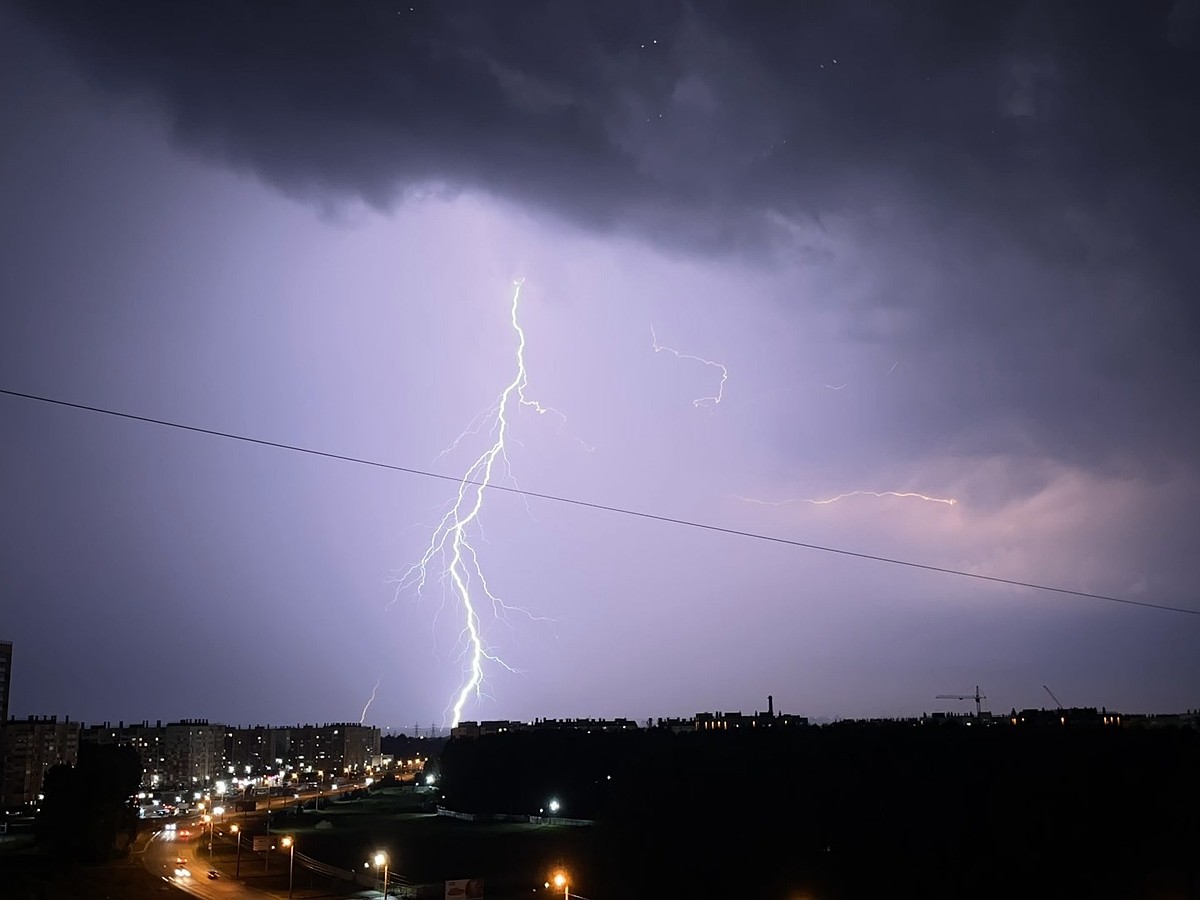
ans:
(892, 254)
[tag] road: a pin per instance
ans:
(167, 846)
(160, 859)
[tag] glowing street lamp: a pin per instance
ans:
(559, 880)
(290, 842)
(381, 859)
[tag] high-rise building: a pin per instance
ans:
(257, 750)
(192, 750)
(5, 679)
(334, 750)
(5, 670)
(32, 746)
(148, 740)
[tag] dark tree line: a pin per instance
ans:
(858, 810)
(88, 814)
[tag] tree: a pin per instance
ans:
(88, 813)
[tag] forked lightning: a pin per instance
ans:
(450, 554)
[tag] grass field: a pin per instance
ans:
(513, 858)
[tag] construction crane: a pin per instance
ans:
(977, 697)
(1052, 697)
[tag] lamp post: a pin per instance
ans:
(290, 843)
(381, 859)
(560, 881)
(237, 868)
(212, 826)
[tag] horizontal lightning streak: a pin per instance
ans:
(701, 401)
(949, 501)
(586, 504)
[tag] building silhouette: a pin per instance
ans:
(32, 746)
(196, 753)
(5, 678)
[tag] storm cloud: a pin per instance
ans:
(942, 248)
(1018, 179)
(653, 116)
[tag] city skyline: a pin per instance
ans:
(828, 315)
(941, 704)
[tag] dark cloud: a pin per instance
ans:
(1023, 174)
(671, 116)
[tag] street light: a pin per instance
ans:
(208, 820)
(382, 860)
(237, 869)
(559, 880)
(290, 843)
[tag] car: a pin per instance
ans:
(213, 873)
(181, 860)
(181, 872)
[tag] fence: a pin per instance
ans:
(511, 817)
(397, 885)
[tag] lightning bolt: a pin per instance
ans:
(949, 501)
(363, 717)
(450, 551)
(701, 401)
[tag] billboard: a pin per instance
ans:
(464, 889)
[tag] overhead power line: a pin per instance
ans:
(586, 504)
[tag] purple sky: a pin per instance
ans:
(939, 250)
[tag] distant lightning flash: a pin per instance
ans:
(702, 401)
(450, 545)
(949, 501)
(374, 691)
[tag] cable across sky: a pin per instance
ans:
(586, 504)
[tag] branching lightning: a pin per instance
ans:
(700, 401)
(450, 553)
(948, 501)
